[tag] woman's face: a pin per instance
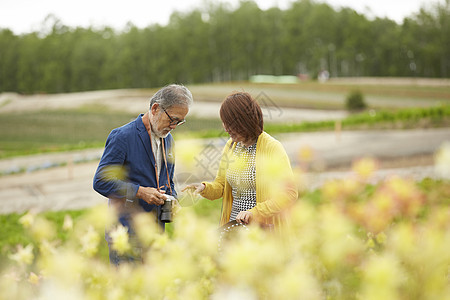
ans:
(235, 137)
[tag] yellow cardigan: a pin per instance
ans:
(275, 186)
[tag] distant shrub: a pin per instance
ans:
(355, 101)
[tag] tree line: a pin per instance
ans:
(218, 43)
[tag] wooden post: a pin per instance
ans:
(338, 129)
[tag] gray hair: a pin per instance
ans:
(173, 94)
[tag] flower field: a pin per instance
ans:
(347, 240)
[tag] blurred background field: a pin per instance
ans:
(83, 120)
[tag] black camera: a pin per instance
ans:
(166, 209)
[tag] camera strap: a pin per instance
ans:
(167, 169)
(149, 131)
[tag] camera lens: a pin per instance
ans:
(166, 210)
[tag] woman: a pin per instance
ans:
(255, 178)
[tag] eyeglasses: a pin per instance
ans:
(172, 121)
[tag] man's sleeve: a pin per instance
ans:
(110, 179)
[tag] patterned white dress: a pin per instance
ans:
(241, 175)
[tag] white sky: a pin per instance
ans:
(22, 16)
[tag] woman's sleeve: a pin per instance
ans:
(279, 188)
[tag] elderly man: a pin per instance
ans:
(136, 169)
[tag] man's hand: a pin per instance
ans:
(151, 195)
(244, 217)
(196, 187)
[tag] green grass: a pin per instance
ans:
(62, 130)
(13, 233)
(385, 119)
(52, 131)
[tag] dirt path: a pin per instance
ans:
(70, 186)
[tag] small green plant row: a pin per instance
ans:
(404, 118)
(438, 116)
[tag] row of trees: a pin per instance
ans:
(217, 43)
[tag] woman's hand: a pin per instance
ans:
(244, 217)
(196, 187)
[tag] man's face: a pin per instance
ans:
(161, 121)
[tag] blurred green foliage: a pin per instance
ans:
(355, 101)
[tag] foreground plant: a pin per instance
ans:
(390, 241)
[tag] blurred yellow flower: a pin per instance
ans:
(344, 191)
(120, 240)
(305, 154)
(65, 267)
(113, 172)
(43, 229)
(146, 228)
(442, 160)
(200, 236)
(331, 189)
(239, 291)
(370, 243)
(381, 238)
(376, 220)
(207, 265)
(271, 166)
(160, 241)
(187, 152)
(383, 202)
(27, 220)
(296, 281)
(68, 223)
(116, 292)
(90, 241)
(23, 256)
(382, 278)
(407, 197)
(350, 187)
(33, 278)
(47, 248)
(401, 187)
(365, 167)
(337, 230)
(401, 239)
(99, 216)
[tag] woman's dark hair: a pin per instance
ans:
(240, 113)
